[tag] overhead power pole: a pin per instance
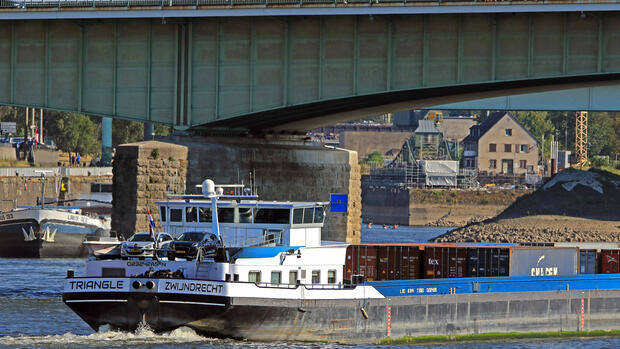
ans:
(581, 138)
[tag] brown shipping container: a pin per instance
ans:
(609, 261)
(398, 262)
(445, 262)
(361, 260)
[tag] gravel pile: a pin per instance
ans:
(581, 198)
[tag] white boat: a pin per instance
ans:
(103, 247)
(48, 231)
(270, 277)
(55, 232)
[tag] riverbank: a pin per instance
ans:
(573, 206)
(539, 228)
(434, 207)
(497, 336)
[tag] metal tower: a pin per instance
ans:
(581, 138)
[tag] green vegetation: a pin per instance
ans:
(375, 157)
(73, 132)
(76, 133)
(496, 336)
(603, 130)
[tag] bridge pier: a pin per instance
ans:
(285, 169)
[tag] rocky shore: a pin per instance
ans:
(573, 206)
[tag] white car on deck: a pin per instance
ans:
(142, 245)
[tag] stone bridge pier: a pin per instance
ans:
(286, 169)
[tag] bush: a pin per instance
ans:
(600, 161)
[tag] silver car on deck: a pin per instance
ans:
(142, 245)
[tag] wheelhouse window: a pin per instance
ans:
(298, 216)
(254, 276)
(308, 214)
(176, 215)
(319, 214)
(162, 213)
(292, 277)
(316, 276)
(226, 215)
(331, 276)
(191, 214)
(273, 215)
(276, 277)
(204, 214)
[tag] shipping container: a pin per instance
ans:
(609, 261)
(445, 262)
(360, 263)
(543, 261)
(484, 261)
(588, 262)
(398, 262)
(589, 245)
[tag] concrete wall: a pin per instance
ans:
(27, 189)
(7, 153)
(46, 157)
(285, 170)
(366, 142)
(386, 205)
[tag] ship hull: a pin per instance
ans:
(346, 319)
(66, 242)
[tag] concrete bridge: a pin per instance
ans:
(263, 66)
(281, 67)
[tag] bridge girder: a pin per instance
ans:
(274, 72)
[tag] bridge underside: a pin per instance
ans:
(295, 73)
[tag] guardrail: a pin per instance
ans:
(25, 4)
(55, 171)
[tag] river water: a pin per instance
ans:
(32, 314)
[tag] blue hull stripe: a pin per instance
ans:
(497, 284)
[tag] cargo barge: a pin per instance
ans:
(288, 285)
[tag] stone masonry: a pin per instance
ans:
(285, 170)
(144, 173)
(19, 191)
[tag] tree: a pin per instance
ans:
(125, 131)
(76, 133)
(601, 134)
(375, 157)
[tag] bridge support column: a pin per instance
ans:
(149, 131)
(106, 140)
(285, 169)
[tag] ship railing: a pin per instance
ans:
(306, 286)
